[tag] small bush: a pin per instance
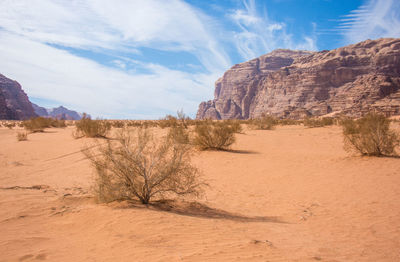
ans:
(22, 136)
(9, 125)
(214, 135)
(318, 122)
(235, 125)
(86, 127)
(288, 122)
(168, 121)
(118, 124)
(39, 124)
(370, 135)
(178, 134)
(138, 166)
(265, 122)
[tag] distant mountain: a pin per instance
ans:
(14, 103)
(350, 80)
(57, 112)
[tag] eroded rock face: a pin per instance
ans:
(351, 80)
(14, 103)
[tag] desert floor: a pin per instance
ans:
(290, 194)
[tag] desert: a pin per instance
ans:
(199, 131)
(289, 194)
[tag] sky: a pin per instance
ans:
(143, 59)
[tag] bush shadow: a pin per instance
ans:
(196, 209)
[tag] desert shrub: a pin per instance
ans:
(288, 122)
(9, 125)
(22, 136)
(213, 135)
(178, 134)
(138, 166)
(86, 127)
(118, 124)
(318, 122)
(370, 135)
(168, 121)
(265, 122)
(184, 120)
(235, 125)
(39, 124)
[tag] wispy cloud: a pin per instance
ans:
(374, 19)
(259, 34)
(42, 44)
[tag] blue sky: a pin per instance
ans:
(143, 59)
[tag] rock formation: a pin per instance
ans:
(14, 103)
(57, 112)
(351, 80)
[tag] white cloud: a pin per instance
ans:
(84, 85)
(116, 25)
(258, 34)
(374, 19)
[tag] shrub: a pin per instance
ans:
(235, 124)
(168, 121)
(9, 125)
(318, 122)
(135, 166)
(38, 124)
(265, 122)
(86, 127)
(22, 136)
(214, 135)
(118, 124)
(370, 135)
(183, 118)
(178, 134)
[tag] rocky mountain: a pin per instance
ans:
(351, 80)
(57, 112)
(14, 103)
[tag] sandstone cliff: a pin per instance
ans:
(14, 103)
(350, 80)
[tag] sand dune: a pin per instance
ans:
(291, 194)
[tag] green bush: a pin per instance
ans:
(370, 135)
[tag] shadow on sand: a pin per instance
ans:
(195, 209)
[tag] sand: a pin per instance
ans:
(291, 194)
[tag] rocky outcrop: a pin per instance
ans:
(14, 103)
(57, 112)
(351, 80)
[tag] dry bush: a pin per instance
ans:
(139, 166)
(288, 122)
(179, 135)
(86, 127)
(235, 124)
(184, 120)
(370, 135)
(22, 136)
(10, 125)
(213, 135)
(265, 122)
(168, 121)
(39, 124)
(318, 122)
(118, 124)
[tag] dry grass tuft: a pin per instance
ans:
(318, 122)
(370, 135)
(22, 136)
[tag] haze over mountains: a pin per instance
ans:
(15, 104)
(351, 80)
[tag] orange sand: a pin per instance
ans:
(291, 194)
